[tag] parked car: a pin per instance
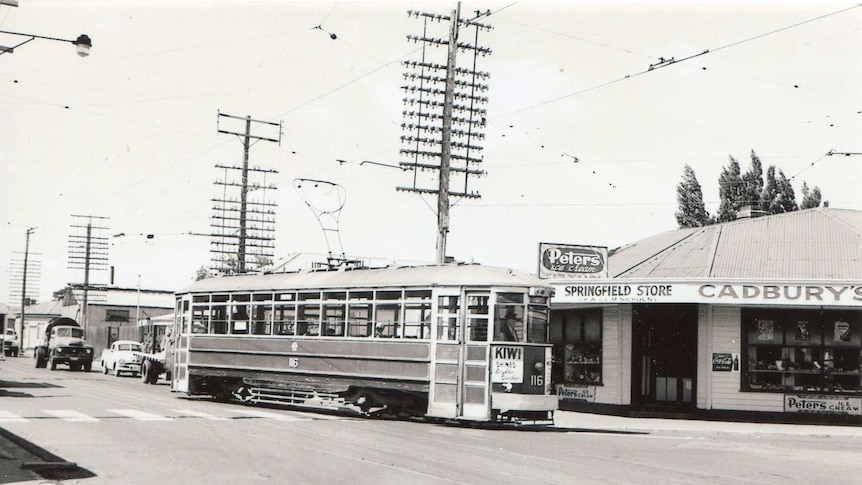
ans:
(122, 356)
(10, 344)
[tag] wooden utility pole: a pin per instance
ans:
(446, 138)
(459, 125)
(262, 232)
(23, 292)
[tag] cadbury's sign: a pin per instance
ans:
(568, 261)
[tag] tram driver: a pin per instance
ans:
(505, 328)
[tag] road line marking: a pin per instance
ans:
(263, 414)
(71, 416)
(7, 417)
(198, 414)
(139, 415)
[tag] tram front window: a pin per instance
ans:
(537, 324)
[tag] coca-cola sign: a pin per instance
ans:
(570, 261)
(722, 362)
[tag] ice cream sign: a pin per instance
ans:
(569, 261)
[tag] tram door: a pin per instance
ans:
(460, 356)
(180, 371)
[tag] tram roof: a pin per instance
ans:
(401, 276)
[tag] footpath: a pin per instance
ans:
(607, 423)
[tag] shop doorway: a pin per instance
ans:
(664, 355)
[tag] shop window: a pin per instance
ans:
(802, 351)
(577, 339)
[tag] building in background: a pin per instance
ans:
(759, 318)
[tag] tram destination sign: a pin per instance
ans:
(567, 261)
(722, 292)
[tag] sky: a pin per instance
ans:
(584, 143)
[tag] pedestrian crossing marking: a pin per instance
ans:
(197, 414)
(71, 416)
(138, 414)
(7, 417)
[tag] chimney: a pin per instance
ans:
(747, 212)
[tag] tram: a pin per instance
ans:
(452, 341)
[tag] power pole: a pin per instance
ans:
(459, 93)
(231, 229)
(90, 253)
(23, 291)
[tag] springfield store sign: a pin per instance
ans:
(727, 292)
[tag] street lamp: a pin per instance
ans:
(83, 44)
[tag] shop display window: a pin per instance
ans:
(803, 351)
(577, 339)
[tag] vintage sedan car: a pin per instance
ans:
(122, 356)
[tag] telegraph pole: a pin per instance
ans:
(460, 88)
(446, 140)
(88, 252)
(261, 234)
(23, 291)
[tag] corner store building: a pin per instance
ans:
(760, 317)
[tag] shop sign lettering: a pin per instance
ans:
(571, 392)
(565, 261)
(634, 291)
(823, 404)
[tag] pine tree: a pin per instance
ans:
(752, 182)
(730, 191)
(770, 199)
(810, 199)
(689, 196)
(788, 197)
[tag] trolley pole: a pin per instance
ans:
(446, 138)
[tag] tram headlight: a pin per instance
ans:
(539, 366)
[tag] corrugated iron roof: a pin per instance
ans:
(816, 243)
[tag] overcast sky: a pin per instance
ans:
(129, 133)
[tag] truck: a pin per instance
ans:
(121, 356)
(154, 356)
(63, 343)
(10, 343)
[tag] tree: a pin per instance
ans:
(778, 196)
(810, 199)
(689, 197)
(202, 273)
(730, 192)
(788, 197)
(752, 182)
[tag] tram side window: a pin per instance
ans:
(387, 323)
(200, 319)
(261, 320)
(284, 318)
(308, 319)
(239, 314)
(333, 320)
(417, 320)
(359, 320)
(219, 312)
